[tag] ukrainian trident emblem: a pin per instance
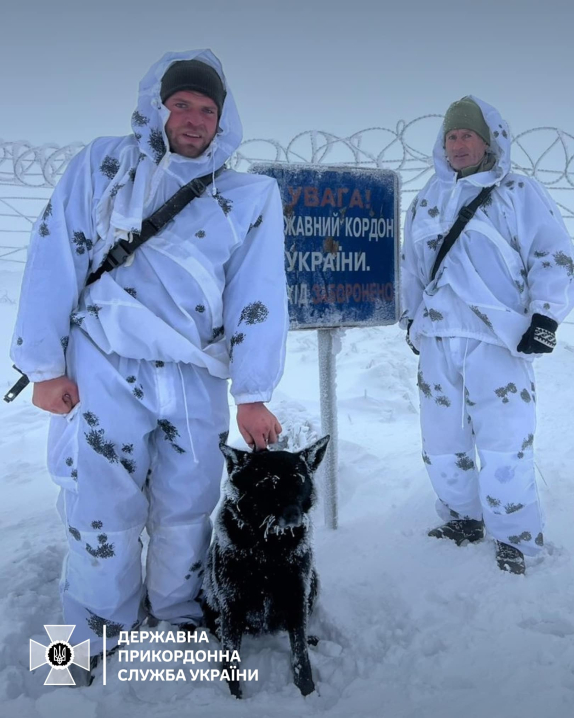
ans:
(60, 654)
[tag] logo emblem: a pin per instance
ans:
(60, 655)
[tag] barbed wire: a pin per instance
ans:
(544, 153)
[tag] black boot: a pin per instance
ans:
(509, 558)
(460, 530)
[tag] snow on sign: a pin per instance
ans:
(341, 244)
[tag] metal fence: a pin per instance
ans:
(28, 173)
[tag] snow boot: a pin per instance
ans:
(460, 530)
(509, 558)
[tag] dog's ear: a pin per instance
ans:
(234, 458)
(313, 455)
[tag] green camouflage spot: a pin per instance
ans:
(511, 508)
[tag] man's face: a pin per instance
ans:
(192, 123)
(464, 148)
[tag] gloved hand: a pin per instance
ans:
(408, 338)
(540, 337)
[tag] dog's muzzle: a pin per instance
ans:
(292, 518)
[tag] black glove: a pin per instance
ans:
(540, 337)
(408, 338)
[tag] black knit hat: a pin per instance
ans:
(193, 75)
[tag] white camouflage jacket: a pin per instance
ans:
(513, 259)
(209, 289)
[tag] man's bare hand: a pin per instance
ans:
(258, 426)
(59, 396)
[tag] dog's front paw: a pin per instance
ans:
(305, 685)
(235, 689)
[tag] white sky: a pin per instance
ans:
(70, 72)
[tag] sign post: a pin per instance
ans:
(341, 258)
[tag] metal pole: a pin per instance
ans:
(328, 389)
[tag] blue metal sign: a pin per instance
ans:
(341, 244)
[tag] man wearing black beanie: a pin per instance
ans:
(134, 366)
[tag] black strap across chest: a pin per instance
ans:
(119, 253)
(464, 216)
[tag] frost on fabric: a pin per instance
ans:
(97, 623)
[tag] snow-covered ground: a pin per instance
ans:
(409, 627)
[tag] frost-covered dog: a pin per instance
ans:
(260, 576)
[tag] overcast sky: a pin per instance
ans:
(69, 70)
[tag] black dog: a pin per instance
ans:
(259, 576)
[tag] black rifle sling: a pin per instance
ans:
(119, 253)
(464, 216)
(123, 249)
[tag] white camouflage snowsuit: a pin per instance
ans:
(150, 346)
(513, 259)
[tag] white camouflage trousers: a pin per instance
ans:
(477, 398)
(139, 450)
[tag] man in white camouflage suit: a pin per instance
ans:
(494, 304)
(134, 366)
